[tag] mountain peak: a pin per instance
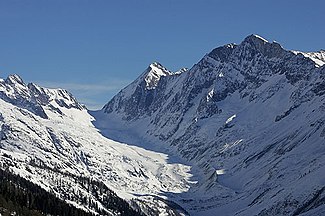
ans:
(156, 65)
(258, 43)
(14, 78)
(153, 74)
(32, 97)
(260, 38)
(255, 39)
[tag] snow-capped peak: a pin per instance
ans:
(255, 40)
(13, 85)
(14, 78)
(33, 97)
(157, 65)
(153, 74)
(255, 37)
(15, 82)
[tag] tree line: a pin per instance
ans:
(26, 198)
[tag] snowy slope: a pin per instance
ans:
(47, 137)
(251, 116)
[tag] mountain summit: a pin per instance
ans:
(153, 74)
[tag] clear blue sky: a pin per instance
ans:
(95, 47)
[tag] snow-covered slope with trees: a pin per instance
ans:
(251, 116)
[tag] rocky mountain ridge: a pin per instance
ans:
(32, 97)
